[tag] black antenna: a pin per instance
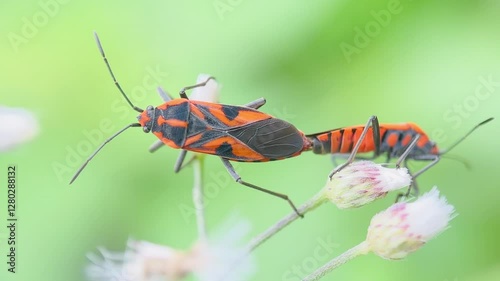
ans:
(465, 136)
(99, 148)
(458, 159)
(112, 75)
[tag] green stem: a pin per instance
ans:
(360, 249)
(310, 205)
(198, 197)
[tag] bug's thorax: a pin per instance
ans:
(168, 121)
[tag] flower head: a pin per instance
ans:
(144, 261)
(141, 261)
(209, 92)
(362, 182)
(17, 125)
(405, 227)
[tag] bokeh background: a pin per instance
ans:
(321, 65)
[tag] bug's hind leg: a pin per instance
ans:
(238, 179)
(372, 122)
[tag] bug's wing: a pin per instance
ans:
(273, 138)
(240, 133)
(265, 140)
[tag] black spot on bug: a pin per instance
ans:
(175, 134)
(230, 112)
(353, 133)
(177, 112)
(225, 150)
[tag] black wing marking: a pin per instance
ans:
(273, 138)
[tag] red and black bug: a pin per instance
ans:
(237, 133)
(242, 133)
(392, 139)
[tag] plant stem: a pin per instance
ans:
(198, 197)
(350, 254)
(311, 204)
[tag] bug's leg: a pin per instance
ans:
(416, 190)
(434, 159)
(182, 92)
(178, 164)
(431, 157)
(373, 122)
(256, 104)
(155, 146)
(164, 95)
(404, 158)
(413, 187)
(238, 179)
(339, 156)
(407, 151)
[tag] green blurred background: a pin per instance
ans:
(425, 64)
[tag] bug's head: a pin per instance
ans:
(146, 118)
(428, 147)
(433, 148)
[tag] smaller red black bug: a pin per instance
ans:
(393, 139)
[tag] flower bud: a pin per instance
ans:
(209, 92)
(362, 182)
(405, 227)
(17, 126)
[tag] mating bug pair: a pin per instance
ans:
(242, 133)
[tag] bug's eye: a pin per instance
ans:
(146, 129)
(149, 108)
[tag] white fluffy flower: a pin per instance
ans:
(17, 126)
(209, 92)
(405, 227)
(210, 260)
(362, 182)
(141, 261)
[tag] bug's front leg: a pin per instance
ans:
(182, 92)
(403, 158)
